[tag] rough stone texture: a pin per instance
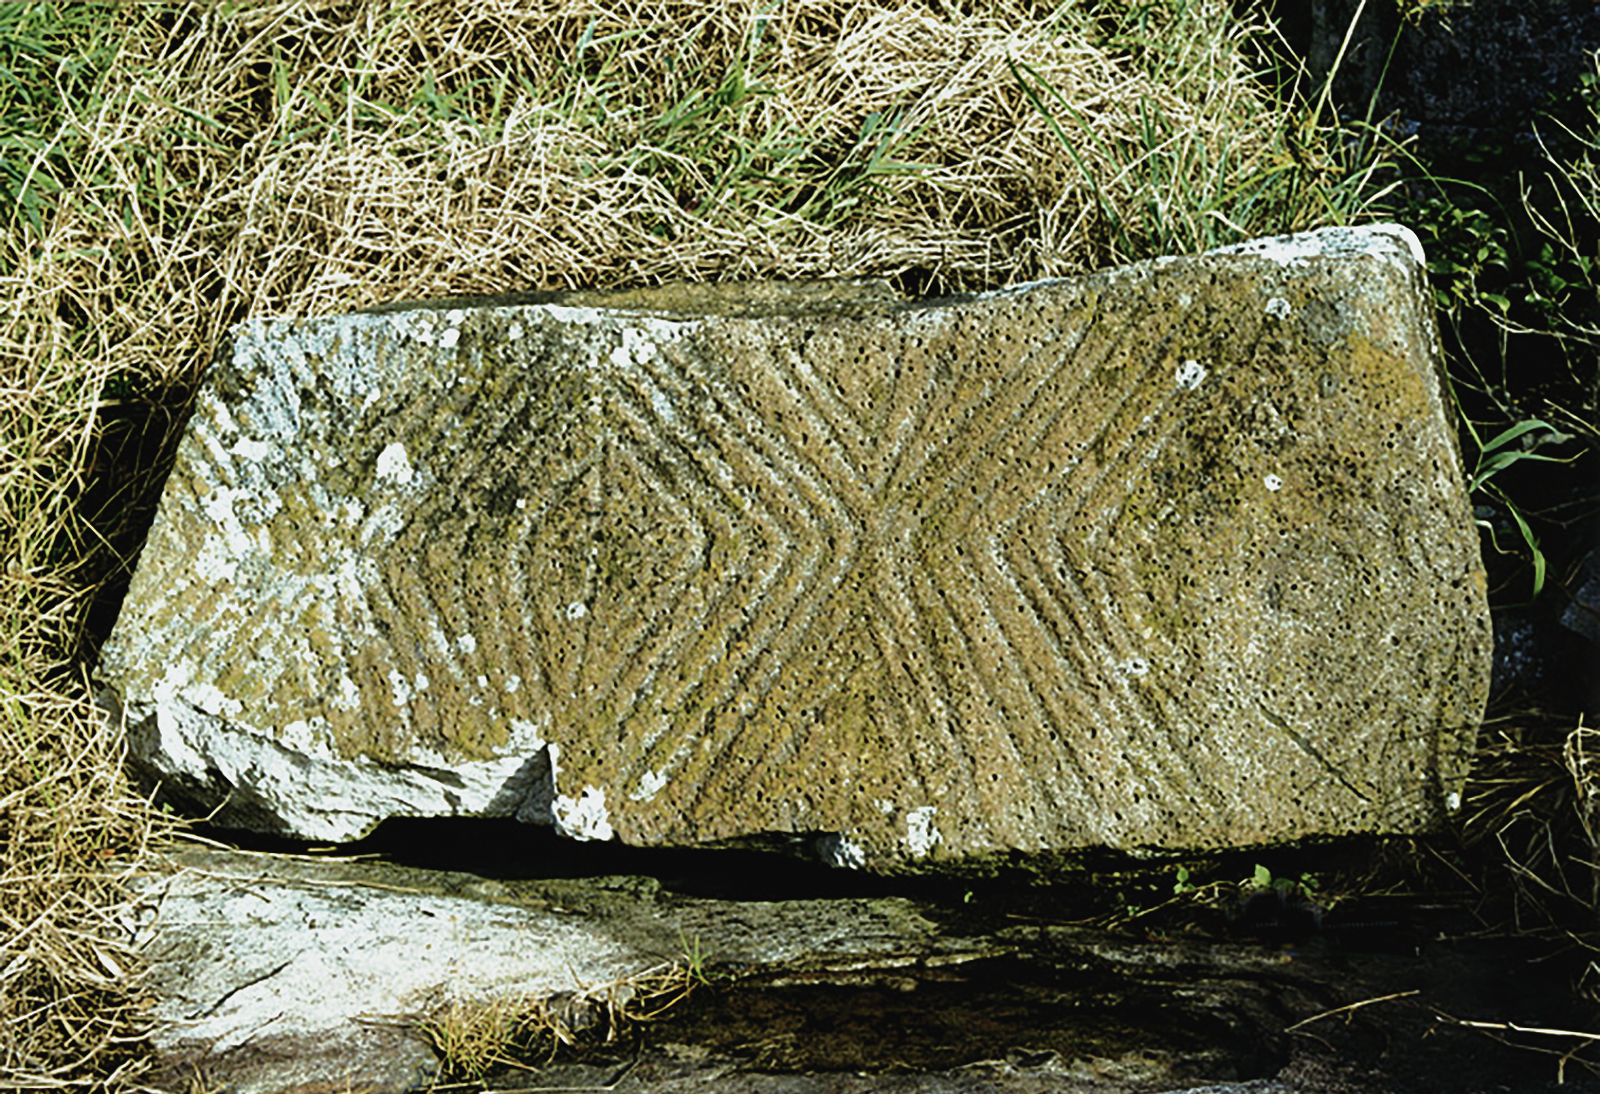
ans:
(1582, 616)
(1175, 556)
(275, 975)
(271, 973)
(284, 975)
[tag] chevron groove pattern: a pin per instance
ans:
(1037, 571)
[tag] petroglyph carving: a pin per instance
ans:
(1068, 565)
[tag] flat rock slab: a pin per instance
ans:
(271, 973)
(1173, 557)
(276, 975)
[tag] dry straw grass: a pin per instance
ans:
(476, 1037)
(303, 157)
(65, 973)
(167, 169)
(1532, 816)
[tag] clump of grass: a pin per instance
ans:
(475, 1037)
(1530, 835)
(1514, 257)
(69, 825)
(1196, 152)
(1534, 796)
(168, 169)
(1563, 211)
(327, 163)
(67, 976)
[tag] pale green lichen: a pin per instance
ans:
(1073, 565)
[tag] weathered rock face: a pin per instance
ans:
(1176, 556)
(276, 975)
(272, 974)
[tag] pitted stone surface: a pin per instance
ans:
(1175, 556)
(297, 975)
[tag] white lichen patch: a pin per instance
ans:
(1279, 308)
(841, 852)
(211, 699)
(1386, 241)
(219, 508)
(394, 465)
(250, 449)
(222, 417)
(214, 563)
(177, 685)
(644, 327)
(585, 818)
(400, 688)
(1133, 666)
(577, 610)
(651, 783)
(524, 736)
(380, 528)
(1191, 374)
(452, 333)
(467, 643)
(921, 835)
(347, 695)
(660, 403)
(1273, 483)
(427, 326)
(301, 735)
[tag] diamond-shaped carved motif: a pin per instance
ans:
(1118, 561)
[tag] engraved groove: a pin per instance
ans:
(999, 559)
(804, 538)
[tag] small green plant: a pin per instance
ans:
(1477, 269)
(1130, 909)
(1517, 444)
(1303, 887)
(693, 960)
(1513, 264)
(1261, 880)
(1463, 244)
